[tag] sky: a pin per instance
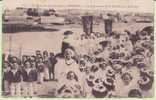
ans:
(118, 5)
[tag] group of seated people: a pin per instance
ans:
(121, 66)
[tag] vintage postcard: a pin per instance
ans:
(78, 48)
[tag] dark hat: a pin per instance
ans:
(14, 59)
(134, 93)
(148, 29)
(51, 54)
(38, 52)
(94, 68)
(68, 32)
(45, 52)
(104, 43)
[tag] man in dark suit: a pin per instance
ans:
(52, 62)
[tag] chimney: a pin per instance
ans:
(87, 22)
(108, 25)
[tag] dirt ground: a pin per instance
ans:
(28, 42)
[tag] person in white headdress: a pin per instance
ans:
(66, 64)
(71, 86)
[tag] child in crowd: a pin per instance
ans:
(46, 67)
(35, 76)
(6, 78)
(40, 67)
(28, 75)
(15, 87)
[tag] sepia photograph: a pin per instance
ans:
(92, 50)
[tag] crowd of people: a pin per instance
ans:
(21, 76)
(117, 65)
